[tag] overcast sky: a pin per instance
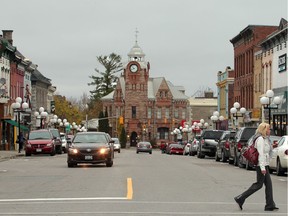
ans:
(185, 41)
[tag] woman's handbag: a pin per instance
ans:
(251, 153)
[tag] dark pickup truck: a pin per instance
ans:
(208, 142)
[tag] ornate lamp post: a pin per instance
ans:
(234, 111)
(215, 118)
(41, 115)
(267, 103)
(19, 107)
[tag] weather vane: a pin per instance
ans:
(136, 34)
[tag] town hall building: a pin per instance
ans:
(151, 107)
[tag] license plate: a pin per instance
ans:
(38, 150)
(88, 157)
(177, 152)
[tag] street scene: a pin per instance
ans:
(161, 184)
(136, 107)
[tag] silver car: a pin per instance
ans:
(116, 144)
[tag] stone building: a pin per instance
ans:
(151, 107)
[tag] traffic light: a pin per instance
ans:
(121, 120)
(52, 105)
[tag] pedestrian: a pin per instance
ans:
(264, 148)
(20, 141)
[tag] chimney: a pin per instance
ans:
(7, 34)
(208, 94)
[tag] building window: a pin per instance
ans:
(163, 133)
(149, 116)
(167, 113)
(158, 113)
(176, 114)
(183, 114)
(133, 112)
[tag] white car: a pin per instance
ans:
(117, 146)
(186, 149)
(64, 142)
(279, 158)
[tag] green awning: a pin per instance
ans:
(14, 123)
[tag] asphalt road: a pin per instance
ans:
(137, 184)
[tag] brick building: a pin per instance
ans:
(246, 44)
(151, 107)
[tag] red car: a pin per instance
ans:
(175, 148)
(40, 142)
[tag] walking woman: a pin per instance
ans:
(264, 148)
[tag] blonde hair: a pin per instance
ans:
(262, 129)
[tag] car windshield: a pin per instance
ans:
(90, 138)
(116, 140)
(40, 135)
(55, 133)
(247, 133)
(212, 134)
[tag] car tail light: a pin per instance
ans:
(239, 145)
(227, 146)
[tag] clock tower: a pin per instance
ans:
(136, 75)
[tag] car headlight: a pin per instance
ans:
(73, 151)
(49, 144)
(104, 150)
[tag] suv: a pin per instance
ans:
(58, 142)
(222, 147)
(207, 143)
(241, 138)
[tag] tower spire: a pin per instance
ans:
(136, 35)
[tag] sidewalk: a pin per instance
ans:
(6, 155)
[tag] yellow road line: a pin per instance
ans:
(129, 189)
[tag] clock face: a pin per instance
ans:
(133, 68)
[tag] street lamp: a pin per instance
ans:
(234, 111)
(19, 107)
(86, 106)
(267, 103)
(215, 118)
(41, 115)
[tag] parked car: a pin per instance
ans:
(222, 147)
(57, 139)
(64, 142)
(92, 148)
(116, 144)
(207, 143)
(279, 157)
(143, 146)
(241, 138)
(40, 142)
(194, 146)
(175, 148)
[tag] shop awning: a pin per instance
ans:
(14, 123)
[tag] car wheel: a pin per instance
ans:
(247, 166)
(137, 152)
(217, 158)
(279, 170)
(109, 163)
(223, 158)
(150, 152)
(119, 151)
(52, 153)
(71, 164)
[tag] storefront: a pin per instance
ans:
(280, 115)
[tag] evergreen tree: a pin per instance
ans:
(106, 123)
(123, 138)
(100, 122)
(105, 82)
